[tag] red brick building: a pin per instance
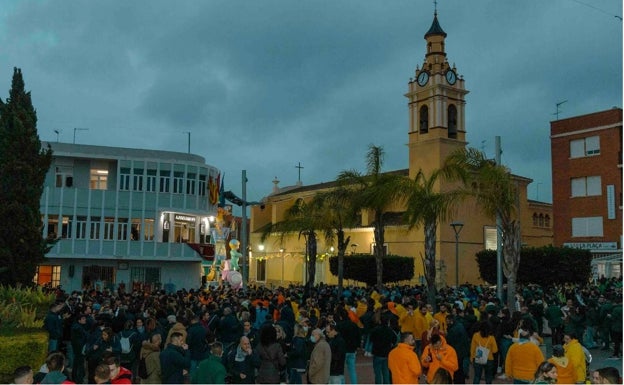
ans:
(587, 186)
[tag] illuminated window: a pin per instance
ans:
(98, 179)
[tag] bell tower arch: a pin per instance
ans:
(436, 103)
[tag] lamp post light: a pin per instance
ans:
(282, 254)
(457, 228)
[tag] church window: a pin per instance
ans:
(452, 121)
(424, 120)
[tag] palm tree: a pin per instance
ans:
(496, 193)
(426, 206)
(377, 192)
(337, 213)
(300, 218)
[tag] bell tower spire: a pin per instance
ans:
(436, 100)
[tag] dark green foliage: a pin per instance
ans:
(542, 265)
(23, 166)
(360, 267)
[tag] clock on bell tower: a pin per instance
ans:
(436, 100)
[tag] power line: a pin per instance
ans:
(598, 9)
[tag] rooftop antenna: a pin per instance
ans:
(57, 132)
(557, 110)
(188, 141)
(299, 167)
(78, 129)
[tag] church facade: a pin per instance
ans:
(437, 108)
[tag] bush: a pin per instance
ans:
(361, 267)
(542, 265)
(27, 347)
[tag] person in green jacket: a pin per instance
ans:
(211, 370)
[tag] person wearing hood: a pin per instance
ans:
(438, 354)
(523, 359)
(56, 364)
(574, 352)
(566, 374)
(242, 363)
(150, 354)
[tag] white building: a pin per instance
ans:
(127, 217)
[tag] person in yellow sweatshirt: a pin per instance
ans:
(420, 326)
(566, 373)
(574, 352)
(485, 339)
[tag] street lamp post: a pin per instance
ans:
(457, 228)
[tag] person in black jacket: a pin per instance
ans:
(241, 363)
(79, 339)
(383, 340)
(196, 337)
(338, 354)
(53, 324)
(352, 336)
(175, 360)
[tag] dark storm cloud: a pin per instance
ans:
(264, 85)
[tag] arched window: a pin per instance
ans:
(541, 220)
(547, 221)
(424, 120)
(452, 121)
(535, 220)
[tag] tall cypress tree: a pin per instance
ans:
(23, 167)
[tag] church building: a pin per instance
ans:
(436, 98)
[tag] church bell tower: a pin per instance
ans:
(436, 107)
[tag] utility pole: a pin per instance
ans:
(499, 232)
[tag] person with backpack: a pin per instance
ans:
(128, 339)
(149, 361)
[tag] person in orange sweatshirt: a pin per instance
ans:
(403, 362)
(523, 359)
(438, 354)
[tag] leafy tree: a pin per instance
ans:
(426, 206)
(335, 208)
(496, 193)
(377, 192)
(357, 267)
(23, 167)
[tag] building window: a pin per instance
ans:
(452, 121)
(148, 229)
(490, 237)
(145, 274)
(202, 185)
(178, 182)
(48, 276)
(424, 120)
(109, 228)
(190, 183)
(150, 185)
(122, 229)
(164, 181)
(587, 227)
(585, 147)
(124, 179)
(547, 220)
(64, 176)
(137, 179)
(261, 270)
(535, 219)
(94, 228)
(81, 227)
(372, 248)
(586, 186)
(99, 179)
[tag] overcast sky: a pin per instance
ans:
(264, 85)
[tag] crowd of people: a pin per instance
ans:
(285, 335)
